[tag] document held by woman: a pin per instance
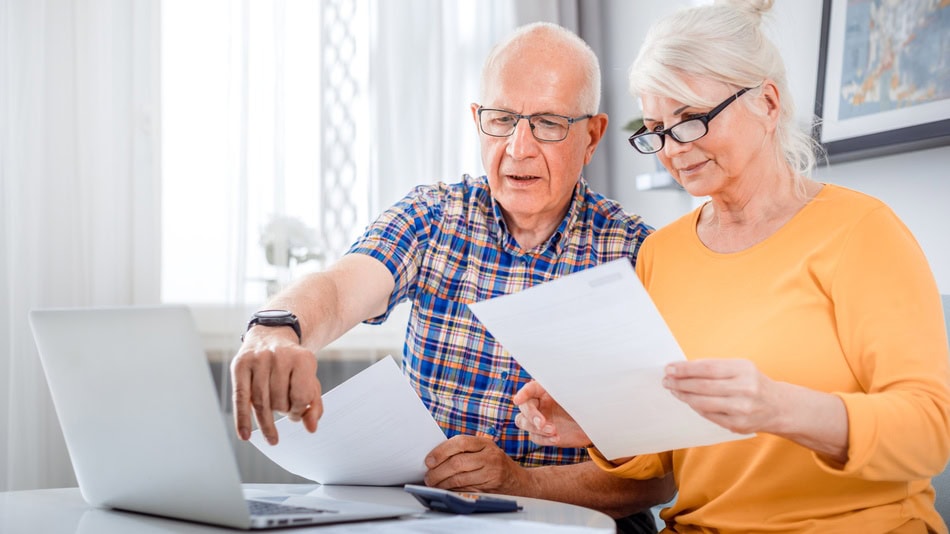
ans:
(596, 342)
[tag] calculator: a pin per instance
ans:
(456, 502)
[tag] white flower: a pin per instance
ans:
(285, 238)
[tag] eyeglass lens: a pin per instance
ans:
(544, 127)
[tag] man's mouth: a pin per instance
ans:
(522, 177)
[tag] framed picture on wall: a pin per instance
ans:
(883, 77)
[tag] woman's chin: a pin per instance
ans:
(695, 187)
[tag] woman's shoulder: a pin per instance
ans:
(843, 198)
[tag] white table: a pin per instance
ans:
(62, 510)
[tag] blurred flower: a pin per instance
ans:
(285, 238)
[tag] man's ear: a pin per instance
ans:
(596, 128)
(474, 108)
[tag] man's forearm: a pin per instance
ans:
(587, 485)
(330, 303)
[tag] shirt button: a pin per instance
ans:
(491, 431)
(504, 375)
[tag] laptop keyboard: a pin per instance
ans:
(272, 508)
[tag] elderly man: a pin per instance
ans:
(531, 219)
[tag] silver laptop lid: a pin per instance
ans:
(136, 403)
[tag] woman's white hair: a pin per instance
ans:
(562, 43)
(722, 42)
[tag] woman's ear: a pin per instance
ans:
(770, 104)
(772, 98)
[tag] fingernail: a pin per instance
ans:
(536, 421)
(548, 429)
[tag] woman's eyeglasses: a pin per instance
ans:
(649, 142)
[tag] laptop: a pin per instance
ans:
(136, 402)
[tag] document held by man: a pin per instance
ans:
(596, 342)
(375, 431)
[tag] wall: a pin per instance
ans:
(915, 184)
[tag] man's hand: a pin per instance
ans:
(471, 463)
(273, 372)
(544, 419)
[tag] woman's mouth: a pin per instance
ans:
(690, 169)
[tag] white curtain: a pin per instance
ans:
(78, 195)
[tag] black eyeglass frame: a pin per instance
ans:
(518, 117)
(669, 131)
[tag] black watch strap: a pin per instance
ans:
(275, 318)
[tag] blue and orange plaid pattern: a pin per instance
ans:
(447, 246)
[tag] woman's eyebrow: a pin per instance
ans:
(675, 112)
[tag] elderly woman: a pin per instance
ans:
(808, 311)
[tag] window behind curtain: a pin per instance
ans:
(260, 102)
(324, 110)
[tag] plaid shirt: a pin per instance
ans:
(447, 245)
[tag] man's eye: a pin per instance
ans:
(503, 119)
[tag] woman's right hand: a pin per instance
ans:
(544, 419)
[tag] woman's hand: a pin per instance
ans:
(731, 393)
(735, 395)
(545, 420)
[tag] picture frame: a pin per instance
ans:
(857, 79)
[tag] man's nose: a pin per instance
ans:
(522, 143)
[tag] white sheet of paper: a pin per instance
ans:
(596, 342)
(375, 431)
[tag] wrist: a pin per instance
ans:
(281, 319)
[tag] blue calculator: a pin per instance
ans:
(456, 502)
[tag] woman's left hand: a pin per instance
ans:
(734, 394)
(731, 393)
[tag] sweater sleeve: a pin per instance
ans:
(890, 325)
(643, 467)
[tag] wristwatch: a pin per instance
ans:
(275, 318)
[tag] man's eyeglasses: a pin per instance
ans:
(647, 142)
(544, 126)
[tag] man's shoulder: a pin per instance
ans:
(467, 189)
(607, 212)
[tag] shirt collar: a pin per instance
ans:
(556, 241)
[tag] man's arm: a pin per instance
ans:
(587, 485)
(274, 372)
(471, 463)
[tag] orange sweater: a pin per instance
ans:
(841, 299)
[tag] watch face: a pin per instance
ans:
(272, 314)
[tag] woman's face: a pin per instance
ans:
(732, 149)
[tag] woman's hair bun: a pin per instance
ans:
(756, 7)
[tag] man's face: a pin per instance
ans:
(533, 180)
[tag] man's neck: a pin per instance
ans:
(532, 231)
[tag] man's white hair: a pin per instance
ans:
(562, 42)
